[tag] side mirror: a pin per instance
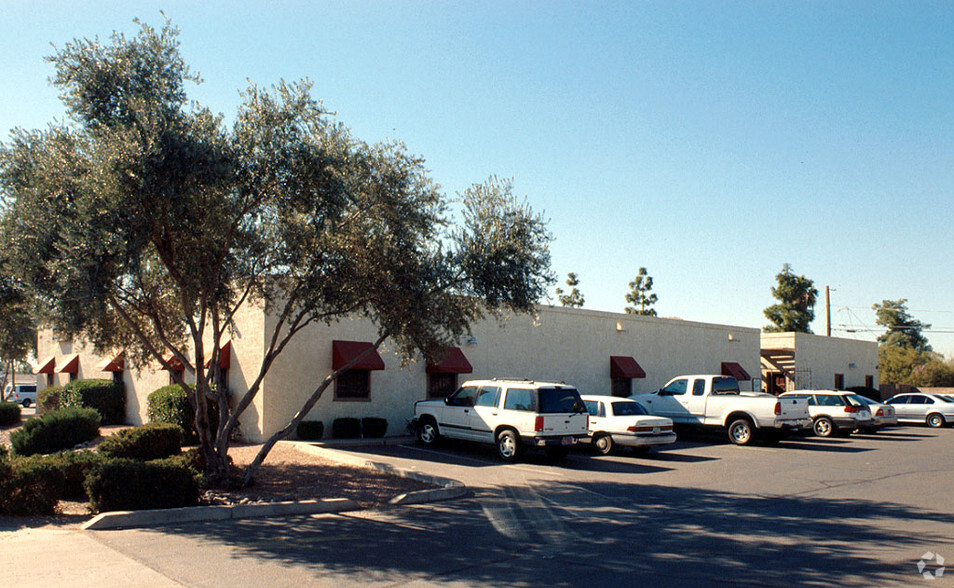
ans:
(447, 400)
(662, 392)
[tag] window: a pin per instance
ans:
(73, 376)
(463, 397)
(628, 409)
(172, 373)
(518, 399)
(898, 400)
(440, 385)
(918, 400)
(699, 388)
(353, 385)
(839, 381)
(622, 387)
(724, 386)
(118, 377)
(488, 396)
(556, 400)
(677, 388)
(593, 407)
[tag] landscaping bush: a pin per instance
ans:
(152, 441)
(170, 404)
(126, 484)
(346, 428)
(9, 413)
(26, 493)
(374, 427)
(55, 431)
(105, 396)
(191, 459)
(63, 472)
(48, 399)
(310, 430)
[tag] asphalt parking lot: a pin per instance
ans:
(863, 511)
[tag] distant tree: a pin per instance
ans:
(795, 310)
(906, 365)
(903, 330)
(639, 296)
(145, 224)
(17, 325)
(574, 298)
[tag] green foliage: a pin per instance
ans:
(574, 298)
(49, 398)
(152, 441)
(126, 484)
(64, 472)
(148, 211)
(9, 413)
(310, 430)
(17, 325)
(346, 428)
(373, 427)
(55, 431)
(906, 365)
(170, 404)
(639, 295)
(903, 329)
(796, 308)
(191, 459)
(27, 493)
(105, 396)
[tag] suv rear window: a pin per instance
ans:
(554, 400)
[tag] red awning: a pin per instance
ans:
(730, 368)
(174, 363)
(343, 352)
(453, 362)
(623, 366)
(47, 366)
(113, 363)
(70, 365)
(225, 356)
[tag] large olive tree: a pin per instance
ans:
(145, 222)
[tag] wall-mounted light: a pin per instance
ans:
(851, 364)
(619, 327)
(472, 340)
(731, 338)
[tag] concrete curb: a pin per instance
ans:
(448, 488)
(147, 518)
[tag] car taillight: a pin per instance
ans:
(880, 412)
(641, 429)
(778, 408)
(852, 409)
(538, 424)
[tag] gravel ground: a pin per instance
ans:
(286, 474)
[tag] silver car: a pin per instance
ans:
(932, 409)
(882, 415)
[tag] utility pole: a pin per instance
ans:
(828, 310)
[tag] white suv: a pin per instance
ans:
(511, 414)
(24, 394)
(834, 412)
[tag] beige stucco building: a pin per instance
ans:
(799, 361)
(598, 352)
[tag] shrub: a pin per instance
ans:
(49, 399)
(310, 430)
(374, 427)
(126, 484)
(191, 459)
(105, 396)
(170, 404)
(152, 441)
(63, 472)
(9, 413)
(4, 453)
(26, 493)
(346, 428)
(61, 429)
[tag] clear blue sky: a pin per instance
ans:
(710, 142)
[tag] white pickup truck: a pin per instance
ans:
(712, 401)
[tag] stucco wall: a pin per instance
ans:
(570, 345)
(827, 356)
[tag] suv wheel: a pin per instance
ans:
(823, 427)
(26, 403)
(508, 445)
(740, 431)
(935, 420)
(427, 432)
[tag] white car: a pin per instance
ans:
(622, 421)
(834, 412)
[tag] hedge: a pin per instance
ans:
(346, 428)
(26, 493)
(49, 399)
(373, 427)
(105, 396)
(310, 430)
(170, 404)
(9, 413)
(126, 484)
(61, 429)
(64, 472)
(152, 441)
